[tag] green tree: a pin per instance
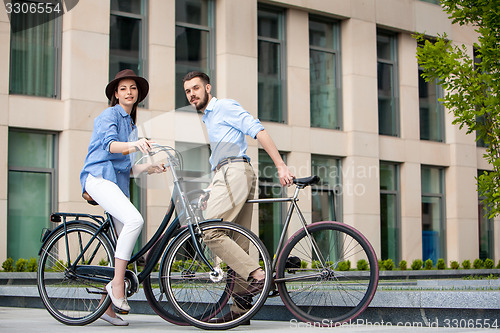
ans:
(472, 87)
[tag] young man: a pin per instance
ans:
(234, 182)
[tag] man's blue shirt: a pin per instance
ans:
(227, 124)
(113, 124)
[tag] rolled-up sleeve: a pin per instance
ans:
(109, 130)
(242, 120)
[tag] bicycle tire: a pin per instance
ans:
(199, 297)
(157, 299)
(72, 300)
(315, 289)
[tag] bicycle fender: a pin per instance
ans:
(48, 233)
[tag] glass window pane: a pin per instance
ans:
(33, 55)
(385, 47)
(323, 90)
(431, 111)
(31, 150)
(192, 11)
(324, 193)
(388, 177)
(269, 24)
(431, 228)
(24, 226)
(191, 53)
(129, 6)
(389, 232)
(125, 42)
(431, 180)
(322, 34)
(269, 85)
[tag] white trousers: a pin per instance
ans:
(126, 218)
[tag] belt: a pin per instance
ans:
(231, 159)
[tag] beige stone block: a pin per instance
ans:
(3, 230)
(462, 240)
(36, 112)
(361, 186)
(338, 7)
(281, 135)
(408, 64)
(464, 35)
(4, 17)
(81, 51)
(360, 112)
(298, 97)
(369, 226)
(362, 144)
(161, 78)
(236, 27)
(411, 239)
(463, 155)
(461, 193)
(359, 48)
(328, 142)
(454, 134)
(159, 191)
(73, 147)
(434, 153)
(411, 194)
(431, 19)
(161, 20)
(301, 141)
(482, 163)
(412, 151)
(4, 57)
(395, 13)
(298, 31)
(299, 164)
(190, 128)
(154, 218)
(4, 106)
(157, 125)
(80, 114)
(237, 78)
(391, 149)
(409, 113)
(95, 12)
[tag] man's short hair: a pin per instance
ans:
(191, 75)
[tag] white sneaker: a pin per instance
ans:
(117, 321)
(120, 304)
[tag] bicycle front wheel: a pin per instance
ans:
(204, 298)
(70, 299)
(314, 277)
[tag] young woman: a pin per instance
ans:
(106, 175)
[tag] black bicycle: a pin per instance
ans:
(77, 259)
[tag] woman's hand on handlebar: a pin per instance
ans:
(156, 168)
(143, 145)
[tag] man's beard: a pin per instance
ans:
(203, 104)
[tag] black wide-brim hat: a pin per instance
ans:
(142, 83)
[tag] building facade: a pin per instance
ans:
(336, 83)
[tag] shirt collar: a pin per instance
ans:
(120, 109)
(211, 104)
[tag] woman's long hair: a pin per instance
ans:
(113, 101)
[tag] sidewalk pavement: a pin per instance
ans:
(39, 320)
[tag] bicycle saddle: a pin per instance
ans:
(89, 199)
(311, 180)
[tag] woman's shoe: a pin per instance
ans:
(117, 321)
(120, 304)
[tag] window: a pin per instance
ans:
(35, 53)
(387, 83)
(194, 42)
(324, 195)
(270, 214)
(433, 213)
(431, 110)
(486, 230)
(389, 211)
(324, 76)
(31, 190)
(271, 64)
(127, 37)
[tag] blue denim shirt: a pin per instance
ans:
(113, 124)
(227, 124)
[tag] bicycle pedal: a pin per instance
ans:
(274, 293)
(96, 292)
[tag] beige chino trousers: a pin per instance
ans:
(232, 185)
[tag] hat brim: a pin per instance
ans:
(142, 85)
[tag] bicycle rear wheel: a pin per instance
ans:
(68, 298)
(202, 298)
(317, 285)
